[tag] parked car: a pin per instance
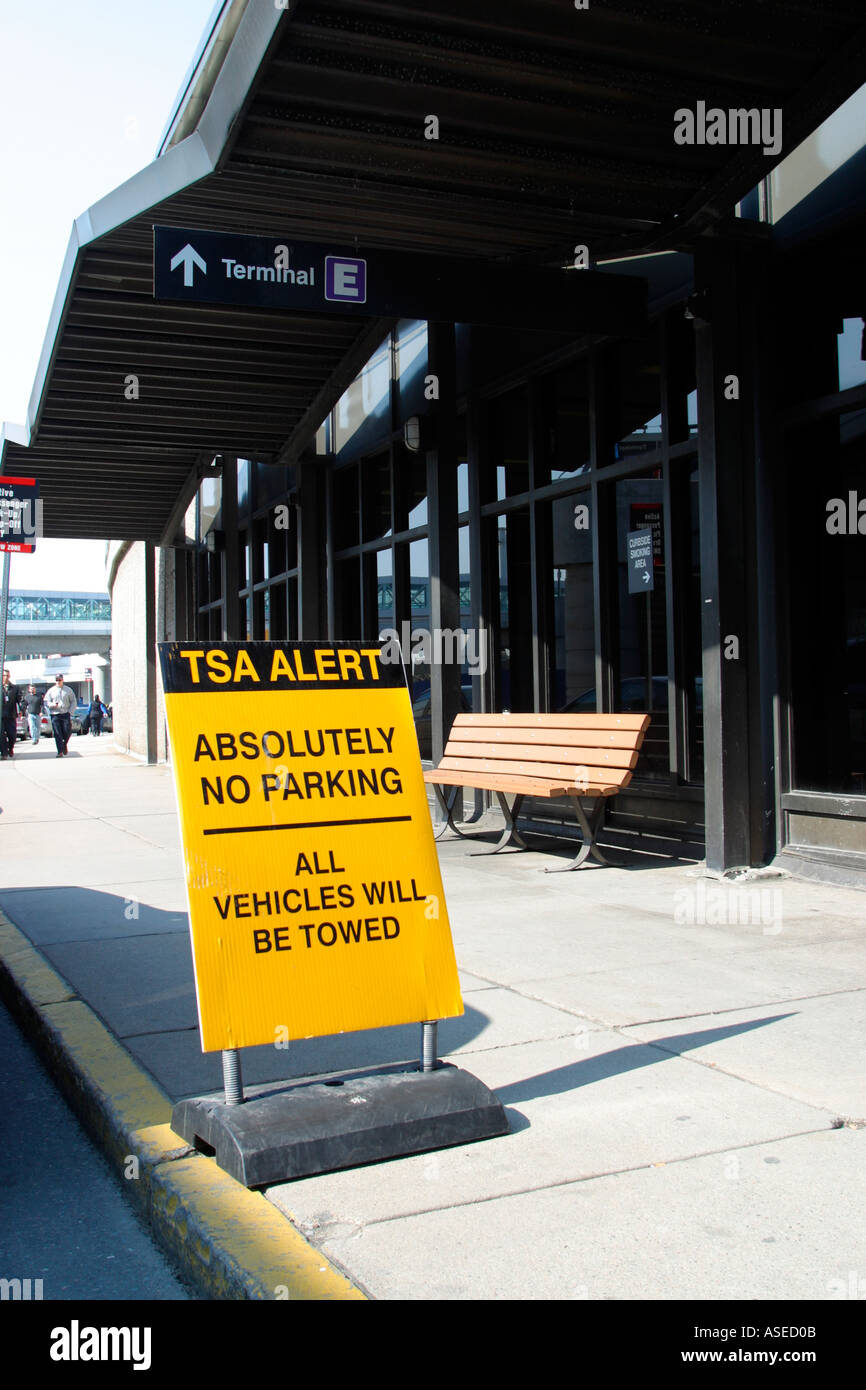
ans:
(421, 714)
(80, 722)
(22, 728)
(633, 696)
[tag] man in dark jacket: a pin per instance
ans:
(96, 714)
(8, 726)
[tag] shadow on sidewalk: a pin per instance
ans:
(622, 1059)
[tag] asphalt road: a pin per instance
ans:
(64, 1217)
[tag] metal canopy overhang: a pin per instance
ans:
(555, 128)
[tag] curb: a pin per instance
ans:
(229, 1242)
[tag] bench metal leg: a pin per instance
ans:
(590, 831)
(447, 805)
(510, 833)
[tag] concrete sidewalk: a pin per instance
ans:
(681, 1062)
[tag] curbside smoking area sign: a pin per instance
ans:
(314, 890)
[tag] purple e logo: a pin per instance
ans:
(345, 279)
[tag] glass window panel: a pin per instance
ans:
(271, 482)
(572, 651)
(210, 498)
(850, 350)
(637, 422)
(214, 588)
(363, 412)
(243, 486)
(293, 610)
(642, 634)
(277, 613)
(462, 487)
(566, 443)
(347, 574)
(376, 484)
(410, 480)
(384, 588)
(276, 542)
(512, 636)
(509, 442)
(827, 596)
(260, 552)
(410, 366)
(346, 507)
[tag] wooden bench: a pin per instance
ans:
(578, 756)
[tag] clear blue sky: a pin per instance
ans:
(87, 88)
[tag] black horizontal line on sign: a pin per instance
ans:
(305, 825)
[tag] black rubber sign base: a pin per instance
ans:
(297, 1128)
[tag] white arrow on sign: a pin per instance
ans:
(188, 258)
(646, 577)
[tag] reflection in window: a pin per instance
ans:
(509, 442)
(376, 483)
(410, 366)
(363, 411)
(572, 651)
(210, 499)
(189, 520)
(828, 603)
(384, 588)
(566, 416)
(851, 342)
(642, 635)
(345, 507)
(243, 485)
(638, 421)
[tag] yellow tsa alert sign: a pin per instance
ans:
(315, 898)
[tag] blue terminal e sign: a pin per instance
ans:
(205, 267)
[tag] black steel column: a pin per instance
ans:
(605, 603)
(312, 619)
(151, 748)
(443, 548)
(738, 759)
(232, 630)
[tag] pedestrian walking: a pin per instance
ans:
(95, 715)
(9, 717)
(61, 701)
(32, 704)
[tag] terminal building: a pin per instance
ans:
(585, 315)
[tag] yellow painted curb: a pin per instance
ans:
(230, 1242)
(261, 1255)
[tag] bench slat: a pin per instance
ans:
(563, 738)
(556, 721)
(566, 772)
(545, 753)
(526, 786)
(520, 786)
